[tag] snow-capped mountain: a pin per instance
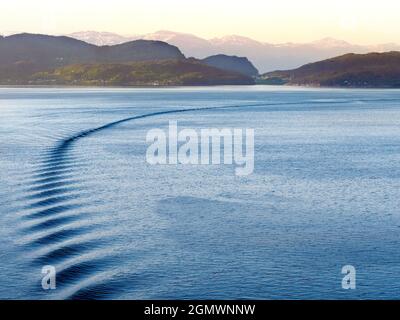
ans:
(101, 38)
(192, 46)
(234, 40)
(330, 43)
(265, 56)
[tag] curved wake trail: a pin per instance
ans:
(59, 223)
(56, 214)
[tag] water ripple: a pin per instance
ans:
(54, 186)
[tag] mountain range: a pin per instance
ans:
(265, 56)
(42, 59)
(38, 51)
(35, 59)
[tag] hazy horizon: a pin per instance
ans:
(287, 21)
(9, 33)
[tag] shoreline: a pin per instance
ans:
(285, 86)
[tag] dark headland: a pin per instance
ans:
(372, 70)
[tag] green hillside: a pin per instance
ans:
(146, 73)
(381, 70)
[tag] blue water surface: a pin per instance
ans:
(77, 193)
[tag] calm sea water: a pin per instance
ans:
(325, 193)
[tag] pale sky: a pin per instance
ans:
(356, 21)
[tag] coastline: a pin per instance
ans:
(285, 86)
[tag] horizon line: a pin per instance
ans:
(10, 33)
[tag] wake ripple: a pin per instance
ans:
(56, 205)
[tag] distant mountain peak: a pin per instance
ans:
(169, 33)
(161, 34)
(101, 38)
(234, 39)
(329, 42)
(265, 56)
(96, 32)
(165, 35)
